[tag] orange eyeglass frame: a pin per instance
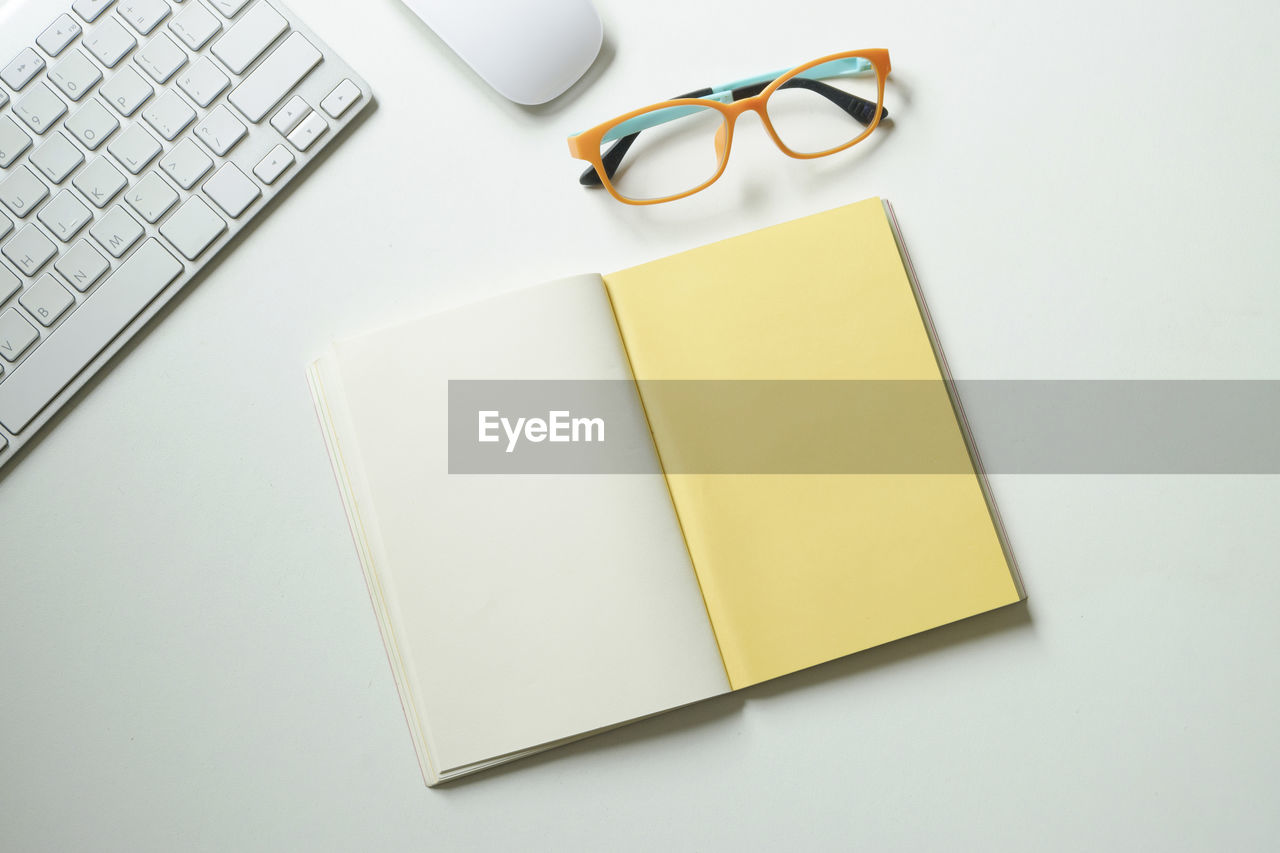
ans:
(586, 145)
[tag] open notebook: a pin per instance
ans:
(520, 612)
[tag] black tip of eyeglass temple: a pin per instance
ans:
(867, 113)
(610, 161)
(613, 157)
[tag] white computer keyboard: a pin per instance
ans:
(137, 137)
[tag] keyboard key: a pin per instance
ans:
(195, 25)
(220, 130)
(81, 265)
(127, 91)
(29, 250)
(169, 115)
(144, 15)
(275, 77)
(13, 142)
(341, 99)
(230, 8)
(135, 148)
(249, 37)
(57, 158)
(193, 228)
(46, 300)
(305, 134)
(161, 58)
(75, 75)
(62, 32)
(90, 9)
(203, 81)
(92, 124)
(22, 192)
(271, 167)
(64, 216)
(114, 133)
(40, 108)
(100, 182)
(151, 197)
(24, 67)
(92, 326)
(232, 190)
(16, 334)
(290, 114)
(116, 231)
(9, 283)
(110, 42)
(186, 164)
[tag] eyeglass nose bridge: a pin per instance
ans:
(732, 112)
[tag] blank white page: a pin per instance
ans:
(520, 610)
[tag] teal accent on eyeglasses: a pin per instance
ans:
(849, 67)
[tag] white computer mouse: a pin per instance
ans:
(529, 50)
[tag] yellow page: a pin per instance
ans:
(797, 569)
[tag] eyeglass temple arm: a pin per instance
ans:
(860, 109)
(612, 158)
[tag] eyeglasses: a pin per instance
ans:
(812, 110)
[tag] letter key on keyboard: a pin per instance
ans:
(83, 335)
(134, 145)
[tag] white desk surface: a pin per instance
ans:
(188, 657)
